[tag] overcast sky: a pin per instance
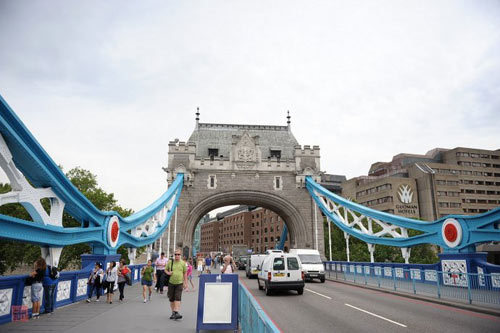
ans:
(105, 85)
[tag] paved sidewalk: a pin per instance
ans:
(132, 315)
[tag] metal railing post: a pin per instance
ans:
(413, 282)
(394, 277)
(468, 288)
(438, 285)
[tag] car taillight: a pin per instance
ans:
(303, 276)
(268, 276)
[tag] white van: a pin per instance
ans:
(311, 263)
(281, 271)
(254, 261)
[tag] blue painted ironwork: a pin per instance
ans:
(281, 244)
(43, 173)
(476, 229)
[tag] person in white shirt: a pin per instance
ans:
(160, 264)
(111, 277)
(228, 267)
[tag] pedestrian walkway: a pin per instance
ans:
(132, 315)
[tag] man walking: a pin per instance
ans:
(208, 263)
(177, 282)
(160, 271)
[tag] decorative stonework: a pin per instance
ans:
(82, 287)
(480, 276)
(246, 150)
(5, 301)
(415, 274)
(63, 290)
(454, 272)
(495, 280)
(430, 275)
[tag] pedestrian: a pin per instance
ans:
(123, 270)
(160, 272)
(178, 281)
(228, 267)
(208, 263)
(111, 276)
(49, 288)
(147, 279)
(190, 272)
(35, 279)
(95, 282)
(200, 266)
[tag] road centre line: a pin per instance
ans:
(312, 291)
(375, 315)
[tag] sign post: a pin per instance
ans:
(218, 302)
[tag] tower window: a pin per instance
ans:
(276, 154)
(212, 153)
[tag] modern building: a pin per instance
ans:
(439, 183)
(258, 229)
(332, 183)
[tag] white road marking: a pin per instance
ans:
(376, 315)
(312, 291)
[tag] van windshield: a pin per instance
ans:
(310, 259)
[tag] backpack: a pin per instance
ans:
(53, 272)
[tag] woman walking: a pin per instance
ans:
(123, 270)
(111, 276)
(190, 272)
(36, 279)
(229, 267)
(94, 282)
(148, 276)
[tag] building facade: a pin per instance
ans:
(257, 229)
(442, 182)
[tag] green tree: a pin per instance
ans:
(13, 254)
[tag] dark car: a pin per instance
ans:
(242, 263)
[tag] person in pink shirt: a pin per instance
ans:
(160, 264)
(190, 272)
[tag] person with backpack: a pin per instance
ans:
(177, 272)
(50, 281)
(95, 280)
(123, 275)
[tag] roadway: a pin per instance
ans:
(338, 307)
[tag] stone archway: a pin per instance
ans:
(286, 210)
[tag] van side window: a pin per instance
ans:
(279, 264)
(292, 263)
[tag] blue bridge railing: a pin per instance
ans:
(71, 287)
(252, 317)
(482, 288)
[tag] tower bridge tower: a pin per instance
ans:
(259, 165)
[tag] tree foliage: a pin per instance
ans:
(13, 254)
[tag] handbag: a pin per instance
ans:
(167, 277)
(128, 278)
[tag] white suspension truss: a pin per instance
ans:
(365, 225)
(156, 221)
(30, 197)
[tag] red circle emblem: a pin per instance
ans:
(450, 232)
(114, 231)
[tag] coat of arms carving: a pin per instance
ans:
(246, 150)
